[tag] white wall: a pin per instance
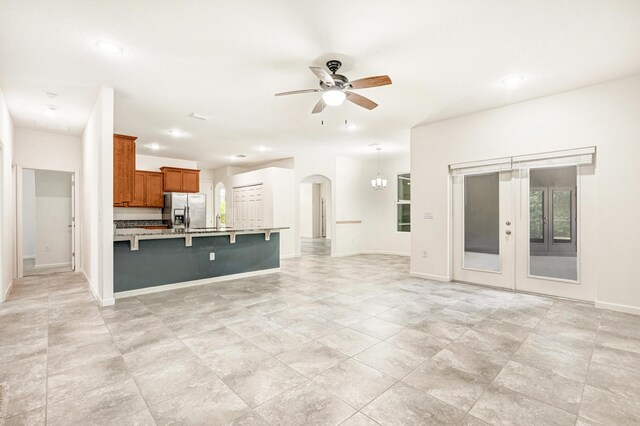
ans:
(7, 200)
(351, 192)
(29, 214)
(97, 198)
(306, 210)
(605, 116)
(53, 215)
(381, 235)
(35, 149)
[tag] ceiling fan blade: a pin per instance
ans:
(295, 92)
(361, 101)
(319, 107)
(323, 75)
(363, 83)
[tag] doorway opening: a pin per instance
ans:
(48, 206)
(315, 232)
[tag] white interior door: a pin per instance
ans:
(248, 207)
(483, 225)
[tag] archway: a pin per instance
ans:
(315, 216)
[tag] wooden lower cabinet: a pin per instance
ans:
(148, 190)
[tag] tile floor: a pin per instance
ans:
(351, 341)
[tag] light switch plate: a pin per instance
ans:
(428, 215)
(212, 256)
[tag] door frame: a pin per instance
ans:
(75, 214)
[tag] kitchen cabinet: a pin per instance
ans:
(124, 168)
(181, 180)
(148, 190)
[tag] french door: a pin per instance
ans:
(526, 225)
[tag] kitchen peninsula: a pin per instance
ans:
(149, 260)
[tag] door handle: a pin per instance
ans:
(508, 232)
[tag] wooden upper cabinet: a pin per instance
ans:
(154, 190)
(172, 179)
(181, 180)
(138, 190)
(148, 190)
(124, 168)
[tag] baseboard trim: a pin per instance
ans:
(385, 252)
(5, 296)
(185, 284)
(430, 277)
(289, 256)
(93, 292)
(627, 309)
(52, 265)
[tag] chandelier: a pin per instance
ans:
(378, 183)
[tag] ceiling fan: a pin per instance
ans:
(336, 88)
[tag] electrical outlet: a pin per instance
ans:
(212, 256)
(424, 253)
(428, 215)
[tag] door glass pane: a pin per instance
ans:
(482, 222)
(562, 216)
(536, 214)
(553, 245)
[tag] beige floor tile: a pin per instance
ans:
(562, 364)
(624, 383)
(354, 382)
(307, 404)
(378, 328)
(484, 365)
(547, 387)
(417, 342)
(211, 403)
(234, 358)
(607, 408)
(209, 341)
(390, 359)
(455, 387)
(311, 358)
(499, 406)
(278, 341)
(262, 382)
(348, 341)
(405, 405)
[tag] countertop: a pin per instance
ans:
(139, 232)
(134, 235)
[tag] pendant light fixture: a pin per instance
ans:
(378, 183)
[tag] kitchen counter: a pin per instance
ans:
(150, 260)
(134, 235)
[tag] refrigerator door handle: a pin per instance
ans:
(188, 216)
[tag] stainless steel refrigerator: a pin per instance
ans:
(182, 210)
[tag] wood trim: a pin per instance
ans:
(347, 222)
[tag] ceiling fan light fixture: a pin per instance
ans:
(333, 97)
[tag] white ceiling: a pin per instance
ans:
(226, 59)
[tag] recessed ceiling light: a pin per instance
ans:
(351, 126)
(512, 80)
(200, 116)
(176, 132)
(262, 148)
(154, 146)
(109, 47)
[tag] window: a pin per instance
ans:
(223, 206)
(404, 203)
